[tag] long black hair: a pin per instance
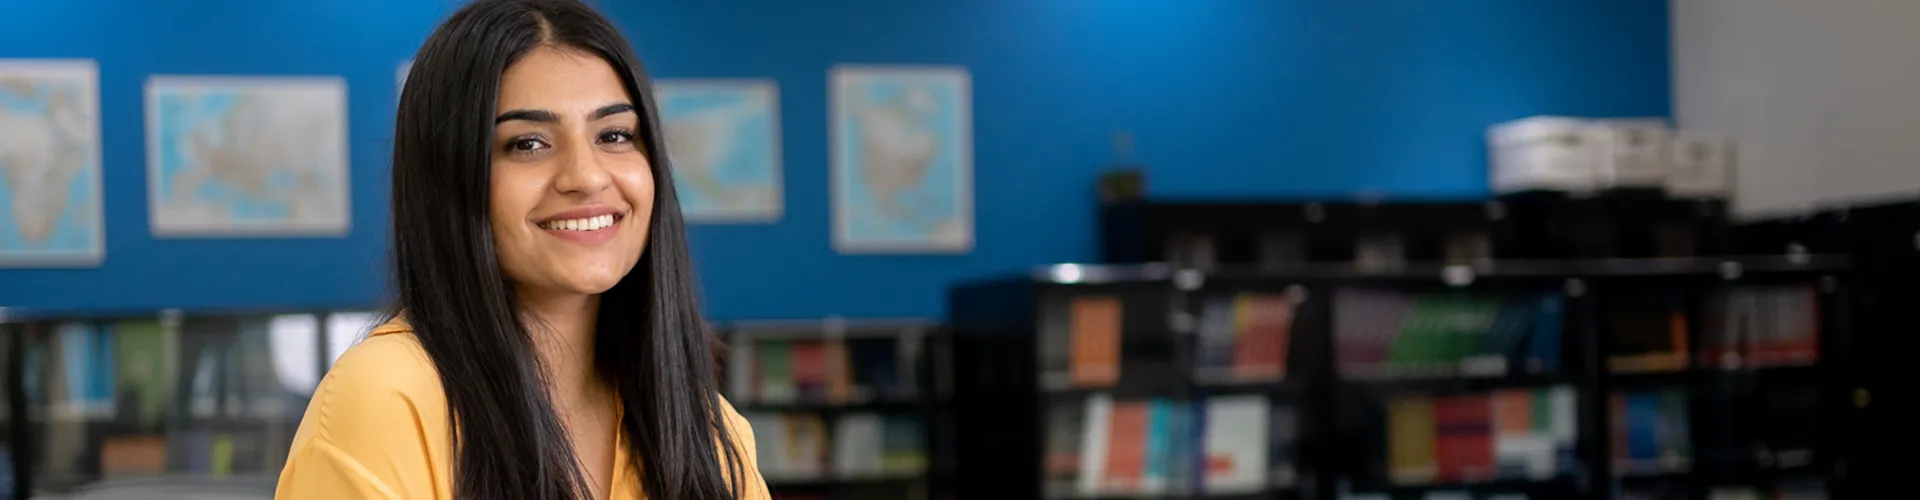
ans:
(649, 343)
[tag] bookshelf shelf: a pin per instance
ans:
(190, 402)
(1707, 376)
(1443, 385)
(1511, 352)
(1114, 496)
(883, 404)
(841, 408)
(826, 328)
(838, 480)
(1278, 389)
(1265, 495)
(1515, 270)
(1548, 489)
(1124, 391)
(1779, 374)
(1655, 378)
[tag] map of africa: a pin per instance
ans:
(50, 212)
(247, 156)
(902, 160)
(724, 140)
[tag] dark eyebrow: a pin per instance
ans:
(533, 115)
(610, 110)
(543, 116)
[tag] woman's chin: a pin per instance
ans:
(592, 278)
(595, 286)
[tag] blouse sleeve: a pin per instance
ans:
(754, 487)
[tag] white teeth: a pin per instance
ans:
(594, 223)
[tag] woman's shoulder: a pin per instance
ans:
(737, 424)
(391, 361)
(376, 426)
(381, 382)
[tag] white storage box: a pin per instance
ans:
(1701, 165)
(1632, 153)
(1541, 153)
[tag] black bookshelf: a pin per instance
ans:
(1202, 233)
(255, 438)
(220, 395)
(18, 438)
(1005, 395)
(764, 381)
(1375, 234)
(1883, 238)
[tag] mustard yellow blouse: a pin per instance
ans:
(377, 428)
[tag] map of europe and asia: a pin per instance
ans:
(247, 156)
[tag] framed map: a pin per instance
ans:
(247, 156)
(50, 206)
(902, 159)
(723, 137)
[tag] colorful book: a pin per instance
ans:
(1096, 341)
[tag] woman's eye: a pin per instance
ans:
(616, 137)
(525, 145)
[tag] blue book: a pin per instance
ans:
(1157, 436)
(100, 371)
(6, 474)
(1180, 452)
(75, 341)
(1548, 323)
(1646, 426)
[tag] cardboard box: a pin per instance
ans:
(1632, 153)
(1541, 153)
(1701, 165)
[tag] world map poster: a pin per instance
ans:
(246, 156)
(50, 206)
(902, 159)
(723, 140)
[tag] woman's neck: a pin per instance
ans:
(562, 327)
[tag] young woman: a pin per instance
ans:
(545, 342)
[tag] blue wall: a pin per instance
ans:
(1226, 98)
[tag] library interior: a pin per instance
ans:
(1039, 249)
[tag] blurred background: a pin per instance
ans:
(1275, 249)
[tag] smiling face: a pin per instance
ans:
(572, 186)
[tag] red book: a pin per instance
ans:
(1262, 330)
(1126, 446)
(810, 370)
(1464, 438)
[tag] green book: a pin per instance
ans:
(776, 371)
(1405, 349)
(1478, 317)
(145, 371)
